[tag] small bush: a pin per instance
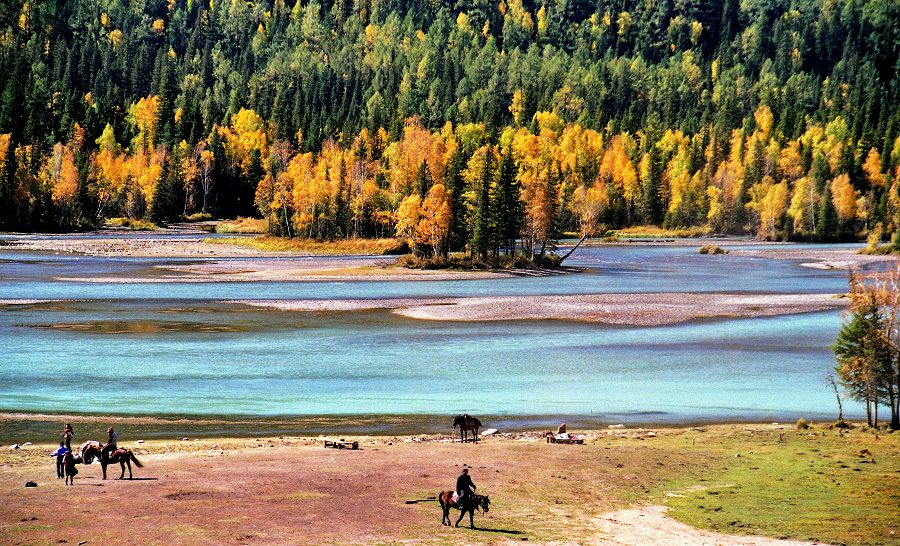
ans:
(802, 424)
(311, 246)
(198, 217)
(128, 223)
(243, 226)
(712, 249)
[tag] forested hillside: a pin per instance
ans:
(472, 123)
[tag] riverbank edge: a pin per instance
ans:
(19, 427)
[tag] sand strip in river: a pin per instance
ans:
(625, 309)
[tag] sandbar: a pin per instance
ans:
(654, 309)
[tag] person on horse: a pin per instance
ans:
(110, 444)
(465, 488)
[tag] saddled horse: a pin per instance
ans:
(94, 449)
(470, 504)
(466, 423)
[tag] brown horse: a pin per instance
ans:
(470, 504)
(93, 449)
(466, 423)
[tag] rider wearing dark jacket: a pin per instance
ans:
(464, 485)
(110, 444)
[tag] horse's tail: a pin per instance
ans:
(135, 460)
(440, 497)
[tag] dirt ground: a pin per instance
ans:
(294, 491)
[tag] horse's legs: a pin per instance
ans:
(103, 466)
(472, 518)
(462, 512)
(122, 464)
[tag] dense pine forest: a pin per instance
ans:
(469, 125)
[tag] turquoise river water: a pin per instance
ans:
(180, 349)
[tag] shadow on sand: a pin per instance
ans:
(503, 531)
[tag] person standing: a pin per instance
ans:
(70, 470)
(60, 455)
(67, 436)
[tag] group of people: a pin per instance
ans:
(66, 460)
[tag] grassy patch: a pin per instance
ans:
(198, 217)
(653, 232)
(811, 484)
(341, 246)
(128, 223)
(243, 225)
(879, 250)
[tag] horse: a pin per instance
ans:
(471, 503)
(466, 423)
(93, 449)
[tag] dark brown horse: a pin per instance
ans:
(470, 504)
(466, 423)
(93, 449)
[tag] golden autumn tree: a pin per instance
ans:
(434, 222)
(617, 168)
(408, 217)
(872, 168)
(845, 198)
(144, 116)
(246, 133)
(589, 203)
(110, 172)
(60, 173)
(803, 206)
(770, 201)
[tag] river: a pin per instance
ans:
(164, 348)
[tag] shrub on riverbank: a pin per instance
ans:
(874, 247)
(311, 246)
(243, 226)
(128, 223)
(654, 232)
(198, 217)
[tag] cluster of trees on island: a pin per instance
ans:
(470, 125)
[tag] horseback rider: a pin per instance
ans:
(110, 444)
(465, 488)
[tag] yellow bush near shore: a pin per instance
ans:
(339, 246)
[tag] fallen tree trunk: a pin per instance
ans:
(574, 248)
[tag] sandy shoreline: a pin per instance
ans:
(618, 309)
